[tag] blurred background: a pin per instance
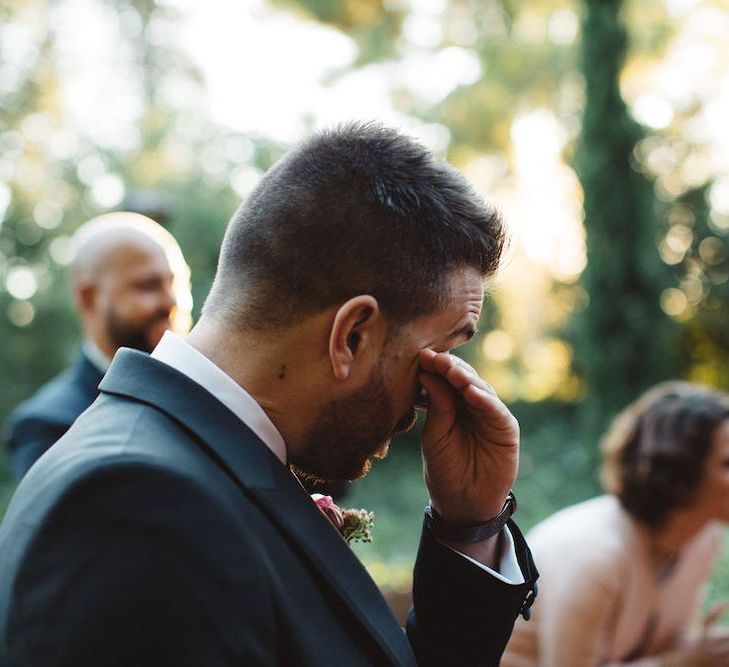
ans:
(598, 127)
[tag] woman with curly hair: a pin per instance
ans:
(623, 575)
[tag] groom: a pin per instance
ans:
(167, 527)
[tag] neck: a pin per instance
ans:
(95, 334)
(680, 528)
(274, 368)
(97, 357)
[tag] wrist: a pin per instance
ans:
(469, 532)
(453, 510)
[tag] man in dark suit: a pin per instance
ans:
(130, 283)
(167, 527)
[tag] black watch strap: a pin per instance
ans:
(453, 532)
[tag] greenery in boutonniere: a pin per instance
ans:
(353, 525)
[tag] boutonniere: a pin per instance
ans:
(353, 525)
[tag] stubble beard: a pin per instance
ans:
(350, 432)
(137, 337)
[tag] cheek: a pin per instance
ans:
(409, 385)
(398, 397)
(132, 309)
(143, 303)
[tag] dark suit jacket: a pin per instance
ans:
(42, 419)
(161, 531)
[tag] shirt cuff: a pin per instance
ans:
(510, 572)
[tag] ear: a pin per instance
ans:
(357, 330)
(85, 296)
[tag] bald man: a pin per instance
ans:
(130, 284)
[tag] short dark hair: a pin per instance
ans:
(359, 209)
(655, 452)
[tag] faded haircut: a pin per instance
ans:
(358, 209)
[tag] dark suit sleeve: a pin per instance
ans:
(462, 616)
(27, 439)
(137, 566)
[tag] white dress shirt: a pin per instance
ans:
(176, 352)
(96, 356)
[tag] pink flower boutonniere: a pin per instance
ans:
(353, 525)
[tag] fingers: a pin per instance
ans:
(483, 401)
(447, 376)
(462, 378)
(454, 370)
(470, 440)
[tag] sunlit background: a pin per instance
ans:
(177, 107)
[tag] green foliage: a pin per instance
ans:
(558, 458)
(521, 72)
(30, 356)
(372, 24)
(704, 275)
(6, 486)
(24, 359)
(719, 584)
(624, 341)
(179, 158)
(394, 490)
(555, 471)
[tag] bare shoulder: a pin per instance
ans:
(594, 538)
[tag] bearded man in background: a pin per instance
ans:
(130, 284)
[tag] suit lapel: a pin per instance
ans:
(327, 551)
(260, 474)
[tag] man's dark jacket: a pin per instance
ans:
(161, 531)
(41, 420)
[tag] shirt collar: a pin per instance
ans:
(183, 357)
(96, 356)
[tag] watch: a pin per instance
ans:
(454, 532)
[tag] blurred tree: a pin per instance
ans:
(60, 166)
(373, 24)
(465, 75)
(33, 193)
(700, 299)
(467, 70)
(687, 159)
(624, 340)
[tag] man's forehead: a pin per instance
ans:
(120, 249)
(463, 306)
(465, 288)
(136, 256)
(464, 315)
(459, 313)
(134, 265)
